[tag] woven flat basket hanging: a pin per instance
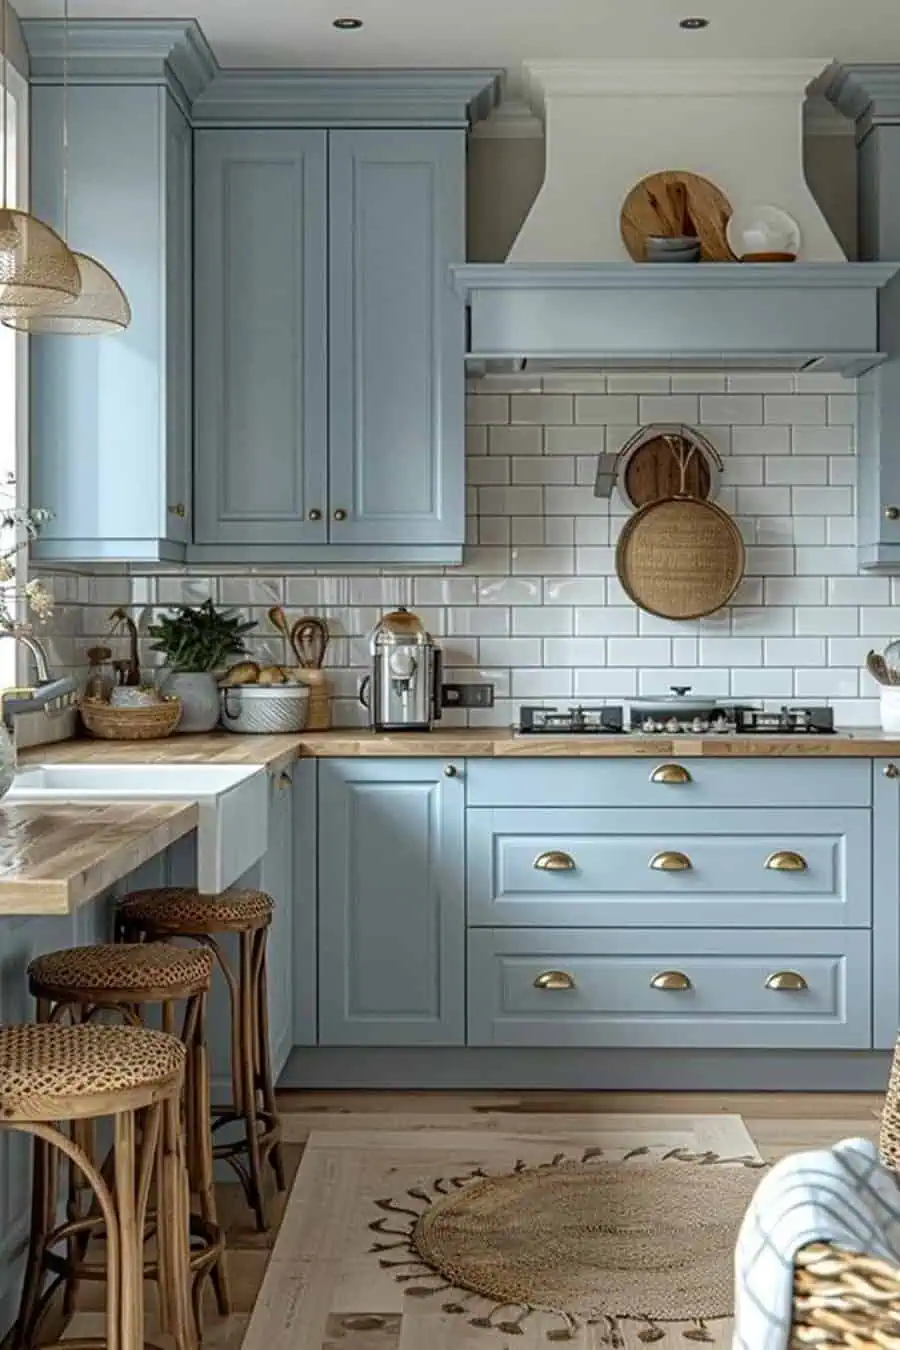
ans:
(680, 558)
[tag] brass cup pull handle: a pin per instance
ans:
(178, 509)
(671, 980)
(670, 773)
(786, 981)
(786, 861)
(891, 771)
(554, 861)
(554, 979)
(283, 781)
(670, 861)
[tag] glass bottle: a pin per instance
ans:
(100, 678)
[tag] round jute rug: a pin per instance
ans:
(594, 1239)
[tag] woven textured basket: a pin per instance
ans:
(150, 723)
(843, 1299)
(680, 558)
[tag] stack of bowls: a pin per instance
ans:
(677, 248)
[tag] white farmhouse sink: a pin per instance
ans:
(233, 803)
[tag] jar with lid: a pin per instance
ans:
(100, 677)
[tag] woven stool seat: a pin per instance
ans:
(175, 909)
(50, 1072)
(116, 968)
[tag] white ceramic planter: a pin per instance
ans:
(890, 707)
(199, 696)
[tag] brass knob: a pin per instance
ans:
(285, 781)
(892, 513)
(179, 509)
(554, 979)
(314, 514)
(340, 514)
(786, 861)
(670, 980)
(787, 980)
(670, 773)
(554, 861)
(670, 862)
(450, 770)
(891, 771)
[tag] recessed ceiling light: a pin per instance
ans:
(347, 24)
(693, 23)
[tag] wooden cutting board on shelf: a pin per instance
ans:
(647, 210)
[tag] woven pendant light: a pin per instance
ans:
(37, 268)
(100, 305)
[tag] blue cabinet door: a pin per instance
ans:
(391, 907)
(109, 436)
(396, 338)
(260, 337)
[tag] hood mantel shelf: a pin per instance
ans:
(798, 316)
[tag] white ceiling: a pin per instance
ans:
(502, 33)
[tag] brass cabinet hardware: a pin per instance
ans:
(670, 862)
(670, 980)
(786, 980)
(178, 509)
(785, 860)
(554, 861)
(340, 514)
(450, 770)
(554, 979)
(315, 514)
(670, 773)
(892, 513)
(285, 781)
(891, 771)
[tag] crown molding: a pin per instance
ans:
(359, 98)
(821, 118)
(868, 94)
(121, 51)
(700, 78)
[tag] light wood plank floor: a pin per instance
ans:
(779, 1123)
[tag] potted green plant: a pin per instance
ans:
(196, 641)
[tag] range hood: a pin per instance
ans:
(569, 296)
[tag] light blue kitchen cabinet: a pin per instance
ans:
(261, 425)
(396, 337)
(391, 904)
(110, 416)
(329, 356)
(886, 902)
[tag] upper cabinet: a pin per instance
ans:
(261, 415)
(291, 388)
(111, 434)
(329, 345)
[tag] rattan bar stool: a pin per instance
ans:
(51, 1075)
(173, 912)
(130, 980)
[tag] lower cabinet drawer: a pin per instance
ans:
(663, 987)
(589, 868)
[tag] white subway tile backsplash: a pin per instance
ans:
(536, 607)
(515, 441)
(795, 409)
(541, 409)
(792, 469)
(603, 409)
(670, 408)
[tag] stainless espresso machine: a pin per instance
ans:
(404, 690)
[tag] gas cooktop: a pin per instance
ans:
(675, 716)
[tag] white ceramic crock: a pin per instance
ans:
(890, 707)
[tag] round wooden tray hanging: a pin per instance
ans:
(680, 558)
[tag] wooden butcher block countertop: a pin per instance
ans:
(54, 858)
(276, 752)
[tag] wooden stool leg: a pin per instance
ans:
(264, 1059)
(131, 1270)
(43, 1198)
(245, 1052)
(173, 1217)
(198, 1110)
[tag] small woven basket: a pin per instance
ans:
(844, 1299)
(150, 723)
